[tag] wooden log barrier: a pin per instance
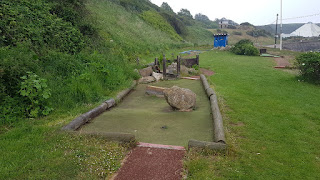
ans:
(155, 90)
(125, 92)
(204, 82)
(84, 118)
(219, 134)
(204, 144)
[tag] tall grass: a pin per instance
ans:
(128, 31)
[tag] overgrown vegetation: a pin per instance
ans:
(158, 22)
(309, 66)
(245, 47)
(258, 33)
(64, 57)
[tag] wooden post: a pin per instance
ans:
(164, 72)
(138, 61)
(178, 66)
(156, 65)
(198, 59)
(156, 62)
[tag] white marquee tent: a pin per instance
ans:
(307, 30)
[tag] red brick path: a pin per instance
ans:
(145, 163)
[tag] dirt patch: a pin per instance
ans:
(152, 163)
(239, 124)
(283, 62)
(206, 72)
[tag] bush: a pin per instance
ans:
(31, 21)
(36, 93)
(232, 27)
(245, 47)
(237, 33)
(309, 65)
(258, 33)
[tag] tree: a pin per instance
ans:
(201, 17)
(246, 24)
(185, 13)
(166, 7)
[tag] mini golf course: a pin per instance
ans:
(152, 120)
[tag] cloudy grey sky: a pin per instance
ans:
(256, 12)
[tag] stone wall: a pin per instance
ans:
(302, 46)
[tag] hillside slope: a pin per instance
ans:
(125, 29)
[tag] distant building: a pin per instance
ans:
(223, 24)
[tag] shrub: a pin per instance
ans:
(36, 93)
(309, 65)
(245, 47)
(23, 20)
(237, 33)
(258, 33)
(232, 27)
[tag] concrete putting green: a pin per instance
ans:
(152, 120)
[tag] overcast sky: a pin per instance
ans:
(256, 12)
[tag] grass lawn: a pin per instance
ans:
(37, 149)
(144, 115)
(271, 120)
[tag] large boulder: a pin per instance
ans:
(146, 80)
(146, 71)
(172, 68)
(180, 98)
(185, 70)
(157, 76)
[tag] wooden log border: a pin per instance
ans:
(219, 136)
(86, 117)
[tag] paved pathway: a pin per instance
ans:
(150, 161)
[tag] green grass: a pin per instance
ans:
(271, 120)
(127, 30)
(199, 36)
(144, 115)
(36, 149)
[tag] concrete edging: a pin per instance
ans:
(219, 136)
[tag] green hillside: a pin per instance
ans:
(63, 43)
(286, 28)
(60, 58)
